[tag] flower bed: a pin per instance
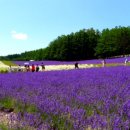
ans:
(71, 99)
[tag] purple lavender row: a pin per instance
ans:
(96, 97)
(95, 61)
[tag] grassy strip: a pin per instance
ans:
(9, 63)
(111, 64)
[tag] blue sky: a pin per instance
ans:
(32, 24)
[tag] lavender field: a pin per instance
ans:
(94, 61)
(83, 99)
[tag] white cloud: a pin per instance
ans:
(19, 36)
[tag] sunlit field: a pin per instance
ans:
(82, 99)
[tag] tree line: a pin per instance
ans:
(82, 45)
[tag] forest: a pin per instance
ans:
(82, 45)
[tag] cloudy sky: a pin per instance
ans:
(32, 24)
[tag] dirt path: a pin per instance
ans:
(52, 67)
(67, 67)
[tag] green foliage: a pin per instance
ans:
(89, 110)
(113, 42)
(7, 102)
(75, 46)
(60, 123)
(23, 107)
(3, 127)
(82, 45)
(18, 106)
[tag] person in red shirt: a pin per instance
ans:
(33, 68)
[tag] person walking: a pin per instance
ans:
(76, 65)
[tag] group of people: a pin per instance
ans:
(32, 68)
(36, 68)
